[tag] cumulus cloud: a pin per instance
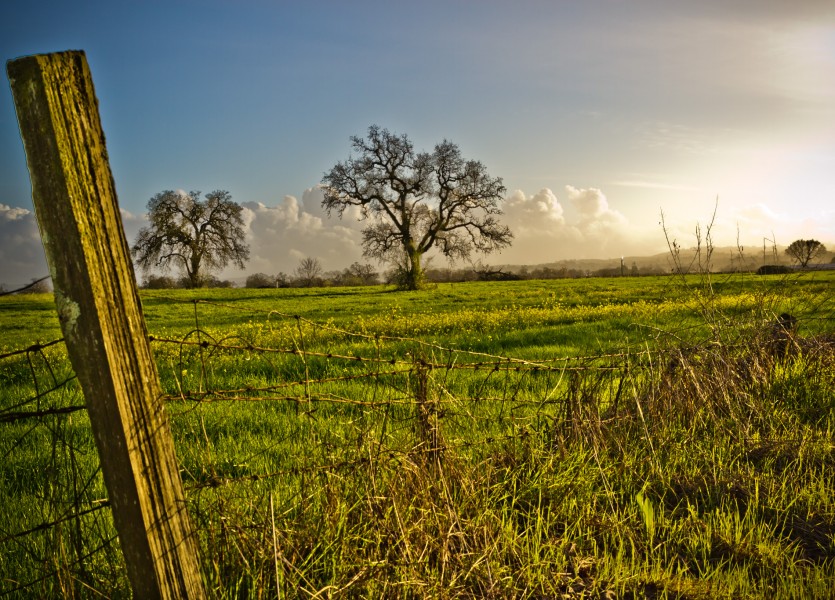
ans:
(22, 256)
(281, 235)
(13, 213)
(542, 211)
(545, 231)
(132, 223)
(21, 253)
(597, 219)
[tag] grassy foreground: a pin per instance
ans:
(604, 438)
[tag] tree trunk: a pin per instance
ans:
(194, 270)
(414, 274)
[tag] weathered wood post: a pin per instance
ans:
(104, 329)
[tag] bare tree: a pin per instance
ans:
(805, 251)
(417, 201)
(362, 274)
(196, 236)
(308, 271)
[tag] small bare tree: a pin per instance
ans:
(308, 271)
(362, 274)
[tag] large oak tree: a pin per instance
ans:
(417, 201)
(196, 236)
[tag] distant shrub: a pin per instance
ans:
(774, 270)
(214, 282)
(260, 280)
(162, 282)
(37, 286)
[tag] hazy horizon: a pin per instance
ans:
(599, 116)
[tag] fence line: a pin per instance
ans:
(34, 283)
(36, 347)
(423, 394)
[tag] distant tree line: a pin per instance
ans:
(480, 273)
(166, 282)
(36, 286)
(310, 273)
(199, 237)
(802, 252)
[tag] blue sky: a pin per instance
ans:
(598, 115)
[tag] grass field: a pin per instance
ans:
(598, 438)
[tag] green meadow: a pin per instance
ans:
(646, 437)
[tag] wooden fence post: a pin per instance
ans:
(101, 317)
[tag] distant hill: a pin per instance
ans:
(724, 259)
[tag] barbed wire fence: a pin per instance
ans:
(272, 419)
(54, 520)
(36, 284)
(370, 401)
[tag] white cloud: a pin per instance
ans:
(21, 252)
(132, 223)
(13, 213)
(281, 235)
(542, 211)
(545, 232)
(127, 216)
(592, 204)
(598, 222)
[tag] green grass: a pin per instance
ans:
(634, 437)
